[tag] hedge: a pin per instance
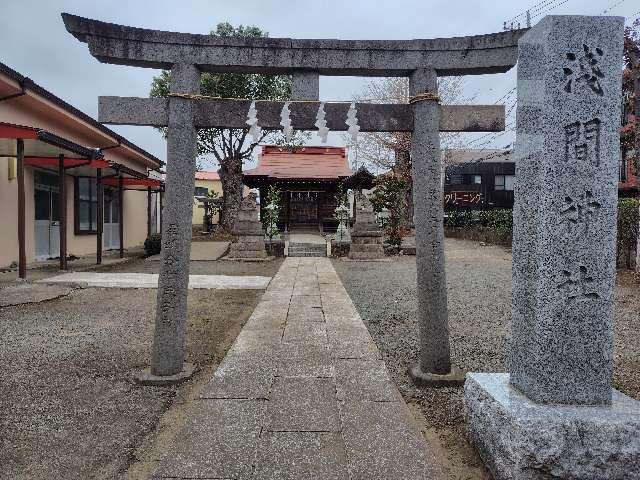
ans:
(496, 226)
(152, 244)
(627, 232)
(491, 226)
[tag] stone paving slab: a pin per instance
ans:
(358, 379)
(300, 404)
(22, 293)
(382, 441)
(301, 455)
(150, 280)
(242, 376)
(219, 440)
(313, 398)
(305, 361)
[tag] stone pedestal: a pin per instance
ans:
(556, 414)
(248, 237)
(275, 247)
(521, 439)
(340, 249)
(367, 236)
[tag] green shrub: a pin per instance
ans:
(152, 244)
(491, 226)
(499, 219)
(627, 230)
(496, 226)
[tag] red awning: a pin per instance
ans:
(129, 182)
(68, 162)
(8, 130)
(39, 143)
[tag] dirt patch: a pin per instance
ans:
(479, 297)
(68, 406)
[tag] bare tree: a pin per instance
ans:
(390, 151)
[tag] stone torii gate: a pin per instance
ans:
(186, 55)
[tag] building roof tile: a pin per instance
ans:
(307, 163)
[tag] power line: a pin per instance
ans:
(549, 4)
(529, 14)
(549, 9)
(525, 11)
(607, 10)
(509, 93)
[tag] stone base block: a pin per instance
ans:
(247, 259)
(240, 253)
(425, 379)
(369, 247)
(367, 239)
(340, 249)
(275, 248)
(368, 251)
(520, 439)
(147, 378)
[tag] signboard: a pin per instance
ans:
(463, 199)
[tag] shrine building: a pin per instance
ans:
(308, 179)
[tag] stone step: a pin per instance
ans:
(296, 247)
(323, 249)
(307, 254)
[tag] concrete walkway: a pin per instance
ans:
(201, 251)
(150, 280)
(301, 394)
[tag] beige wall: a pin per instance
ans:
(31, 110)
(198, 213)
(134, 206)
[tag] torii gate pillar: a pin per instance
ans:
(434, 365)
(167, 358)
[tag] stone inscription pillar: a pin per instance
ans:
(428, 217)
(556, 415)
(564, 242)
(171, 310)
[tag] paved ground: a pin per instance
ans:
(23, 293)
(68, 406)
(479, 295)
(202, 267)
(202, 250)
(150, 280)
(49, 268)
(301, 394)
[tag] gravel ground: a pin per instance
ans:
(479, 294)
(68, 407)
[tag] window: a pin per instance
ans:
(622, 172)
(201, 192)
(471, 179)
(86, 206)
(504, 182)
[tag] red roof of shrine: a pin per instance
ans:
(307, 163)
(207, 175)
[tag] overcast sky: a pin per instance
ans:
(36, 44)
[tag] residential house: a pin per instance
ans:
(63, 152)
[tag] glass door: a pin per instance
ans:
(47, 215)
(111, 231)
